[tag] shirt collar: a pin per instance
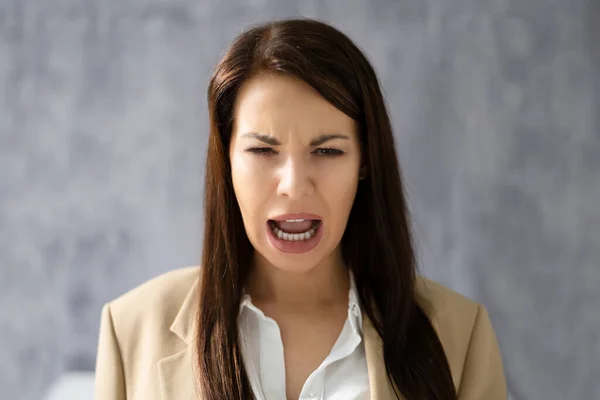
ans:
(354, 310)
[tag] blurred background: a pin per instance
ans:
(103, 129)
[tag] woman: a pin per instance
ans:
(308, 286)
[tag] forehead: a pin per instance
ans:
(280, 104)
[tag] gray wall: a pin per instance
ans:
(102, 139)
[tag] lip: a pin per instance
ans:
(301, 215)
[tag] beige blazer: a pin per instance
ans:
(145, 350)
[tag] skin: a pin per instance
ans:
(278, 168)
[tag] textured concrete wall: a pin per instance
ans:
(103, 127)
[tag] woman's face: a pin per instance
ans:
(295, 162)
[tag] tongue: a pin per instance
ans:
(294, 227)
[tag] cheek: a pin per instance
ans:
(248, 185)
(339, 186)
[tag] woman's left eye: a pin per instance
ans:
(328, 151)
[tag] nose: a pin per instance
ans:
(295, 180)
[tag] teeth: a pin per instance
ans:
(293, 237)
(295, 220)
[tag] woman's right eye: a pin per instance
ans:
(263, 151)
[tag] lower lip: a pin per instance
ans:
(297, 246)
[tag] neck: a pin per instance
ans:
(326, 283)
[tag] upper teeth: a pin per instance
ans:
(295, 220)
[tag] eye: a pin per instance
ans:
(261, 151)
(328, 151)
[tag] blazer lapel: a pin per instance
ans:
(379, 384)
(176, 377)
(176, 370)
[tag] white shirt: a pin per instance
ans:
(343, 375)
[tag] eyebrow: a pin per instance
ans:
(319, 140)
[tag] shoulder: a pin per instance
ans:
(444, 305)
(464, 329)
(146, 312)
(452, 314)
(139, 329)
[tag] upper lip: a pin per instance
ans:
(301, 215)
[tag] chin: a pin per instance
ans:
(298, 263)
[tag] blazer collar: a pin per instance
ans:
(185, 321)
(177, 370)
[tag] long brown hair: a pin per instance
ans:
(376, 245)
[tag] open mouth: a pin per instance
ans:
(295, 230)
